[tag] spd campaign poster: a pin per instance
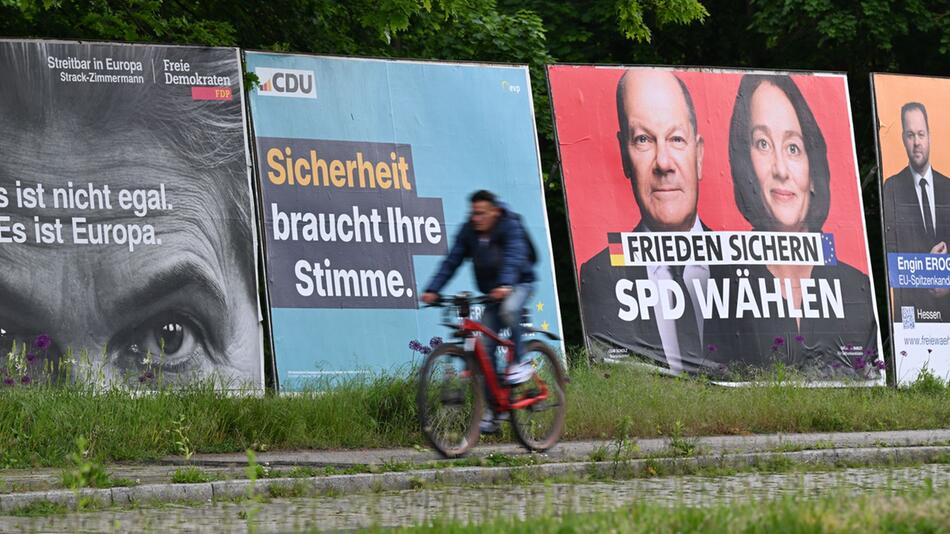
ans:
(366, 167)
(716, 221)
(912, 115)
(127, 229)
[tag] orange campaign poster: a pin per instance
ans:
(716, 221)
(913, 142)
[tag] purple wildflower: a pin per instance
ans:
(149, 374)
(8, 381)
(435, 342)
(774, 348)
(31, 357)
(42, 341)
(415, 345)
(779, 341)
(424, 350)
(859, 363)
(869, 351)
(25, 380)
(800, 338)
(879, 365)
(712, 347)
(142, 379)
(903, 353)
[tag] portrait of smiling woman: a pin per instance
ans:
(181, 307)
(782, 183)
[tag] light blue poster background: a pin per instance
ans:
(470, 127)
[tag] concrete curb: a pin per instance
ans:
(372, 482)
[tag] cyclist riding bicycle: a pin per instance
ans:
(503, 258)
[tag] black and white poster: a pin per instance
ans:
(127, 228)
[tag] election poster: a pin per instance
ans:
(366, 168)
(127, 228)
(716, 222)
(913, 135)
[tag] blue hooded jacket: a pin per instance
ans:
(503, 258)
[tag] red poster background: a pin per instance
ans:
(600, 198)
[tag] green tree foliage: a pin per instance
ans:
(130, 20)
(631, 21)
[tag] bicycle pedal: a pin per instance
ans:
(539, 406)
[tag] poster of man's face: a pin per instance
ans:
(716, 221)
(913, 133)
(126, 216)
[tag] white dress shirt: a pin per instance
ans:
(929, 178)
(667, 327)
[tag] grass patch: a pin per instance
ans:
(83, 471)
(119, 482)
(815, 446)
(38, 424)
(40, 509)
(919, 510)
(304, 472)
(190, 475)
(284, 491)
(679, 408)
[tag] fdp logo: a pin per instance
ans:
(286, 82)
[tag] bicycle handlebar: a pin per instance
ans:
(465, 297)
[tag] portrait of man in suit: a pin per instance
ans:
(662, 154)
(916, 204)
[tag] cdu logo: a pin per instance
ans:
(286, 82)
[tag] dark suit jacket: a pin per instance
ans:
(608, 335)
(904, 232)
(903, 223)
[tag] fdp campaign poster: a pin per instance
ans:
(127, 230)
(912, 114)
(366, 169)
(716, 221)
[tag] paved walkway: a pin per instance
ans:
(231, 466)
(479, 504)
(581, 450)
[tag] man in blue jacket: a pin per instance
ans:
(503, 259)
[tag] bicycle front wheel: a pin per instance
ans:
(538, 427)
(450, 400)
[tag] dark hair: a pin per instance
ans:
(622, 113)
(483, 195)
(745, 183)
(919, 107)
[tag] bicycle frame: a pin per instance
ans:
(487, 365)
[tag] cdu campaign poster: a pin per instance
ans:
(366, 167)
(913, 133)
(716, 221)
(127, 230)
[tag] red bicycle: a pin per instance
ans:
(451, 396)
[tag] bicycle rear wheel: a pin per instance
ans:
(450, 400)
(538, 427)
